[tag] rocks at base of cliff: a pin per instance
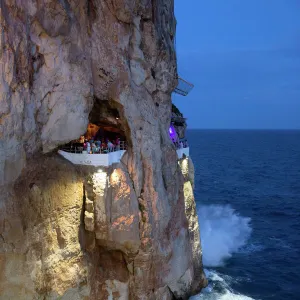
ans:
(187, 168)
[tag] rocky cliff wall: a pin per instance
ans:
(66, 232)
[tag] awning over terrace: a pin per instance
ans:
(183, 87)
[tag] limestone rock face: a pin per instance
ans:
(41, 249)
(129, 231)
(188, 170)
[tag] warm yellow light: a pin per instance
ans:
(99, 171)
(184, 166)
(185, 163)
(100, 175)
(115, 176)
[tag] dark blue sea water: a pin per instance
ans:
(248, 201)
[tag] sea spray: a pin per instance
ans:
(223, 232)
(219, 288)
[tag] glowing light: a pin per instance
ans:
(115, 176)
(173, 134)
(100, 175)
(99, 171)
(185, 163)
(184, 166)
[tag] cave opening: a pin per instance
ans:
(177, 128)
(98, 139)
(104, 141)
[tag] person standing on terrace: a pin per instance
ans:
(110, 146)
(117, 144)
(88, 147)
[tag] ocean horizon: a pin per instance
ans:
(247, 190)
(244, 129)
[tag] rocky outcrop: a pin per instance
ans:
(187, 168)
(126, 232)
(178, 122)
(41, 246)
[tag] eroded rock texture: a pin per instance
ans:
(80, 233)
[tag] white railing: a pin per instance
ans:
(96, 150)
(180, 145)
(97, 160)
(183, 152)
(104, 157)
(182, 149)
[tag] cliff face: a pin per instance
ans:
(126, 232)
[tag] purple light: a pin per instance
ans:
(172, 132)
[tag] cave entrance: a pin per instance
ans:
(97, 140)
(177, 132)
(104, 141)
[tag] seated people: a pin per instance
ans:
(100, 145)
(103, 145)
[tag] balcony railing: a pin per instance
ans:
(97, 150)
(103, 157)
(183, 87)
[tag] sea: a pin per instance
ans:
(247, 190)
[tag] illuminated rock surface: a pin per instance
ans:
(71, 232)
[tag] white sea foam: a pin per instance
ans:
(216, 296)
(219, 288)
(226, 296)
(223, 232)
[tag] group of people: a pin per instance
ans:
(93, 146)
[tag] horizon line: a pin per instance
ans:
(258, 129)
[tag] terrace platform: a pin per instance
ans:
(97, 160)
(183, 151)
